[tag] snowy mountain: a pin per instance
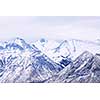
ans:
(46, 45)
(84, 69)
(19, 62)
(54, 50)
(68, 61)
(68, 49)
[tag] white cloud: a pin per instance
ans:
(50, 27)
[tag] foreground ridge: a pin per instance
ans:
(85, 69)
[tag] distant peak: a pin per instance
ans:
(86, 53)
(18, 38)
(42, 40)
(65, 42)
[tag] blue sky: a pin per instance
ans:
(33, 28)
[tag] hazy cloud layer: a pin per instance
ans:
(33, 28)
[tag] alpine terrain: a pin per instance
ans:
(49, 61)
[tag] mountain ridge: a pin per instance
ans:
(21, 62)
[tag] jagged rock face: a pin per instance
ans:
(85, 69)
(28, 68)
(44, 67)
(25, 65)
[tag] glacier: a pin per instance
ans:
(50, 61)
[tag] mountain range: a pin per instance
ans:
(49, 61)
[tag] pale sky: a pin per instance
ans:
(32, 28)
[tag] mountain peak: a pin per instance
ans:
(64, 43)
(19, 41)
(42, 40)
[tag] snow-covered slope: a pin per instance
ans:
(22, 63)
(65, 61)
(53, 49)
(84, 69)
(46, 45)
(70, 48)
